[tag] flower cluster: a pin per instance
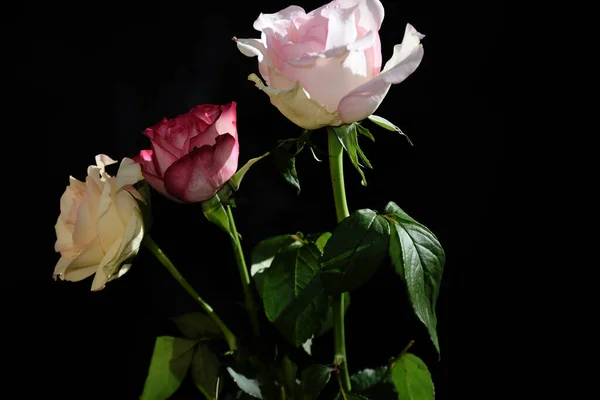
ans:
(321, 69)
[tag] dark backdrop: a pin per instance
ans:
(90, 80)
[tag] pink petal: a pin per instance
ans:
(364, 100)
(206, 138)
(255, 48)
(198, 175)
(146, 161)
(371, 14)
(227, 122)
(328, 82)
(206, 115)
(161, 158)
(161, 133)
(159, 185)
(279, 21)
(341, 28)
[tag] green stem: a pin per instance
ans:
(244, 277)
(336, 168)
(164, 260)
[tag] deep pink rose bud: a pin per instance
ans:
(193, 155)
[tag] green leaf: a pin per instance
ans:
(384, 123)
(286, 165)
(236, 179)
(293, 295)
(412, 379)
(197, 325)
(348, 137)
(351, 396)
(215, 212)
(205, 371)
(248, 385)
(364, 131)
(286, 373)
(367, 378)
(289, 371)
(355, 250)
(170, 361)
(264, 253)
(319, 239)
(314, 379)
(419, 259)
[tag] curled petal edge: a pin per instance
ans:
(297, 106)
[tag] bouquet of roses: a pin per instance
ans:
(323, 71)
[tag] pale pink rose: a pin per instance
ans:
(100, 226)
(193, 155)
(324, 68)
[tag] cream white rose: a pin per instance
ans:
(324, 68)
(100, 226)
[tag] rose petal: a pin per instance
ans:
(71, 199)
(64, 236)
(102, 161)
(86, 223)
(255, 48)
(63, 263)
(279, 21)
(129, 173)
(135, 193)
(364, 100)
(227, 122)
(101, 276)
(341, 28)
(159, 185)
(78, 274)
(127, 248)
(371, 14)
(125, 205)
(298, 107)
(330, 78)
(110, 226)
(91, 255)
(99, 281)
(200, 174)
(206, 114)
(85, 264)
(206, 138)
(227, 151)
(161, 158)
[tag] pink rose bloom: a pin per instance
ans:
(100, 227)
(324, 68)
(193, 155)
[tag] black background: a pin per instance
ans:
(90, 80)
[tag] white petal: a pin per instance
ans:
(102, 161)
(251, 48)
(341, 27)
(255, 48)
(64, 236)
(90, 256)
(86, 221)
(63, 263)
(297, 106)
(125, 206)
(110, 227)
(129, 173)
(78, 274)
